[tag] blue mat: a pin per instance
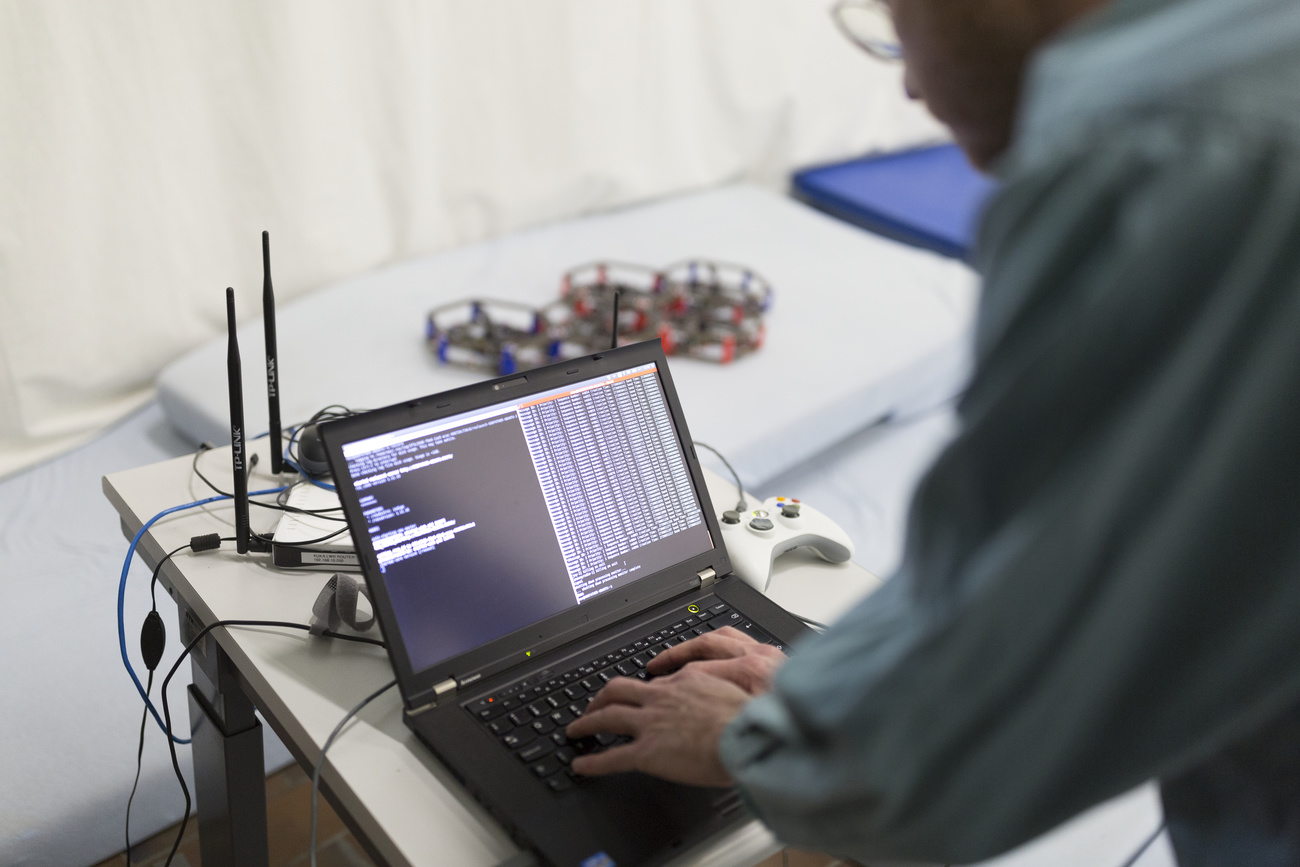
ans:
(929, 198)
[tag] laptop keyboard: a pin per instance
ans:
(528, 718)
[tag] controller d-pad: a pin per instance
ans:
(761, 523)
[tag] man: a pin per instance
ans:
(1101, 582)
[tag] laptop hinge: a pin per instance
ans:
(707, 576)
(441, 691)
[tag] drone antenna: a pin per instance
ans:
(613, 343)
(272, 365)
(237, 444)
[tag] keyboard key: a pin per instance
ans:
(518, 738)
(691, 621)
(542, 726)
(678, 626)
(607, 675)
(705, 617)
(559, 738)
(605, 739)
(719, 608)
(500, 726)
(700, 630)
(639, 661)
(653, 652)
(626, 667)
(536, 750)
(561, 718)
(519, 717)
(592, 684)
(574, 691)
(545, 767)
(559, 783)
(564, 755)
(555, 699)
(539, 708)
(577, 709)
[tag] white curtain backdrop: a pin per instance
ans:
(145, 145)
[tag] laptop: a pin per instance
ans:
(525, 540)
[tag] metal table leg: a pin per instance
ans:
(229, 768)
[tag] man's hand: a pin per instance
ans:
(726, 653)
(675, 723)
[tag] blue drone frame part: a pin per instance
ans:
(121, 598)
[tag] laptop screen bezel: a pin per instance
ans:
(521, 645)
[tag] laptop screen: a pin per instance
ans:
(486, 522)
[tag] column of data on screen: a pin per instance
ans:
(612, 473)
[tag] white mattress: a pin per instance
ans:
(70, 714)
(860, 326)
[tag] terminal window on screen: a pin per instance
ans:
(485, 523)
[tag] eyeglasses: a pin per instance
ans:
(869, 25)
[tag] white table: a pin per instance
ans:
(395, 796)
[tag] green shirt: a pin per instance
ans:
(1101, 582)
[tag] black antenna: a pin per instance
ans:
(613, 341)
(272, 366)
(236, 385)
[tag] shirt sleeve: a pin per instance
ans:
(1101, 580)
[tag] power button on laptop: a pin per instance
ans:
(694, 609)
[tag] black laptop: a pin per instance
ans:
(525, 540)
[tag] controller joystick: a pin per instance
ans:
(755, 539)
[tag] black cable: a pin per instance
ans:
(813, 623)
(331, 513)
(1141, 850)
(740, 506)
(320, 763)
(139, 762)
(151, 664)
(194, 465)
(189, 648)
(301, 546)
(333, 411)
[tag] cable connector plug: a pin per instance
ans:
(208, 542)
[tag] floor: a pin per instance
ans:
(288, 809)
(288, 812)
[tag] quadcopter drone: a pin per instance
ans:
(702, 309)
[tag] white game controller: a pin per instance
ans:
(756, 538)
